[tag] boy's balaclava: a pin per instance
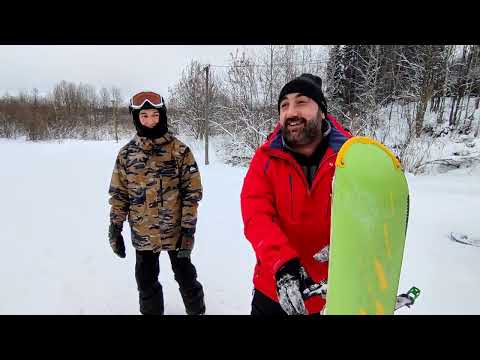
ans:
(151, 133)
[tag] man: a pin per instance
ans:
(285, 202)
(156, 183)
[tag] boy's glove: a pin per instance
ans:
(116, 240)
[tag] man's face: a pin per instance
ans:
(149, 117)
(300, 119)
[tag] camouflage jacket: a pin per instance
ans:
(156, 183)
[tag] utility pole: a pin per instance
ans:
(114, 120)
(207, 68)
(34, 129)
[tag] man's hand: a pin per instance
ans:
(289, 288)
(321, 288)
(294, 286)
(323, 255)
(316, 289)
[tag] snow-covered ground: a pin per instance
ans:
(55, 256)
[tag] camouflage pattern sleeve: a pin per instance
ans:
(118, 192)
(191, 192)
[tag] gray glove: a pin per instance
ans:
(294, 286)
(323, 255)
(289, 288)
(316, 289)
(322, 287)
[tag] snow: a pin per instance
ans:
(445, 271)
(56, 259)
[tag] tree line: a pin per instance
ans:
(365, 78)
(68, 111)
(382, 91)
(397, 94)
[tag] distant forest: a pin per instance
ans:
(364, 85)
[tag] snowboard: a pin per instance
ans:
(368, 229)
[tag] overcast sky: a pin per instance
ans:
(131, 68)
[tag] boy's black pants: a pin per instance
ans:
(147, 270)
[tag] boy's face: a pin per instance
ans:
(149, 117)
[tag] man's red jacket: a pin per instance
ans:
(282, 217)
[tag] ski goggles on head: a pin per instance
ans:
(138, 100)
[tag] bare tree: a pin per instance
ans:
(473, 77)
(187, 97)
(442, 95)
(251, 84)
(68, 111)
(465, 80)
(423, 73)
(105, 103)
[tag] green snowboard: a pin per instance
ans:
(368, 229)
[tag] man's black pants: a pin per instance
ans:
(263, 306)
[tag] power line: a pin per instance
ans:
(268, 65)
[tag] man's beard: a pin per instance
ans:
(310, 131)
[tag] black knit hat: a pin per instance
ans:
(308, 85)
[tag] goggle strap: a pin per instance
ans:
(136, 107)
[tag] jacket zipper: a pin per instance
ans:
(302, 175)
(328, 210)
(329, 204)
(322, 163)
(161, 192)
(314, 181)
(291, 193)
